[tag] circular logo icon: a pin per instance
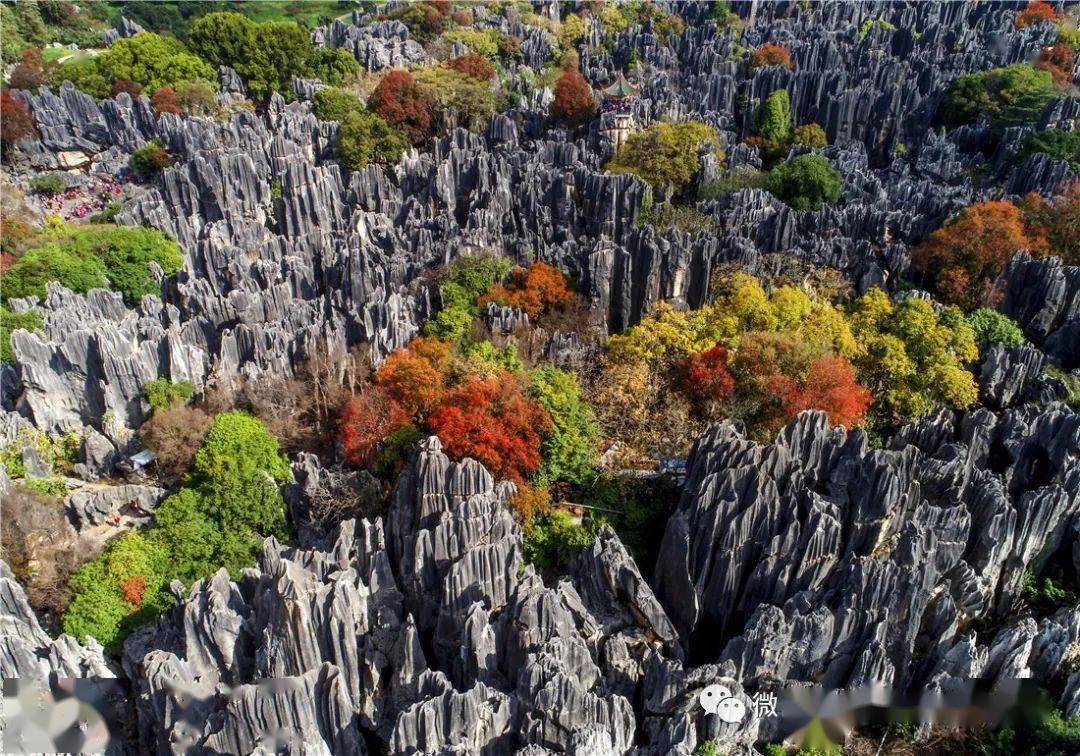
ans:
(716, 699)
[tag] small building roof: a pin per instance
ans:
(621, 89)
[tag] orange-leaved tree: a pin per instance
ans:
(534, 290)
(1036, 12)
(492, 421)
(164, 100)
(1058, 61)
(828, 385)
(368, 418)
(771, 54)
(962, 258)
(1056, 223)
(474, 65)
(415, 377)
(574, 100)
(400, 101)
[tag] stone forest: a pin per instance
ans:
(595, 377)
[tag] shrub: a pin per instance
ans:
(1009, 96)
(991, 327)
(174, 433)
(365, 138)
(10, 322)
(706, 377)
(161, 393)
(29, 274)
(332, 65)
(164, 100)
(686, 219)
(400, 102)
(534, 290)
(574, 101)
(473, 65)
(771, 54)
(149, 159)
(49, 184)
(666, 155)
(529, 503)
(828, 385)
(811, 135)
(425, 21)
(738, 178)
(1036, 12)
(15, 120)
(30, 73)
(84, 73)
(962, 259)
(458, 98)
(571, 31)
(806, 183)
(1057, 60)
(555, 540)
(196, 97)
(570, 449)
(468, 278)
(1055, 223)
(238, 444)
(154, 61)
(774, 117)
(492, 422)
(415, 378)
(133, 89)
(368, 419)
(1060, 145)
(333, 104)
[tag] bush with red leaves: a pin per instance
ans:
(574, 100)
(771, 54)
(1036, 12)
(368, 418)
(1058, 61)
(30, 73)
(164, 100)
(133, 88)
(494, 423)
(474, 65)
(398, 100)
(830, 386)
(534, 290)
(15, 120)
(705, 376)
(415, 378)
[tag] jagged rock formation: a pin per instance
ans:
(822, 559)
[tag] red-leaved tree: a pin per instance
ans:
(1057, 60)
(368, 418)
(494, 423)
(534, 290)
(134, 589)
(164, 100)
(415, 377)
(706, 377)
(771, 54)
(474, 65)
(30, 73)
(574, 100)
(829, 385)
(133, 88)
(963, 257)
(400, 101)
(15, 120)
(1055, 224)
(1036, 12)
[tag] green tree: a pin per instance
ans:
(10, 321)
(774, 117)
(1061, 145)
(334, 104)
(281, 50)
(85, 74)
(154, 61)
(53, 262)
(223, 39)
(365, 138)
(332, 65)
(991, 327)
(191, 537)
(569, 450)
(806, 183)
(811, 135)
(239, 443)
(162, 393)
(1010, 96)
(666, 155)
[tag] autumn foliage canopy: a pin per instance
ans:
(368, 418)
(494, 423)
(474, 65)
(401, 102)
(164, 100)
(534, 290)
(707, 378)
(15, 120)
(771, 54)
(574, 100)
(1036, 12)
(829, 385)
